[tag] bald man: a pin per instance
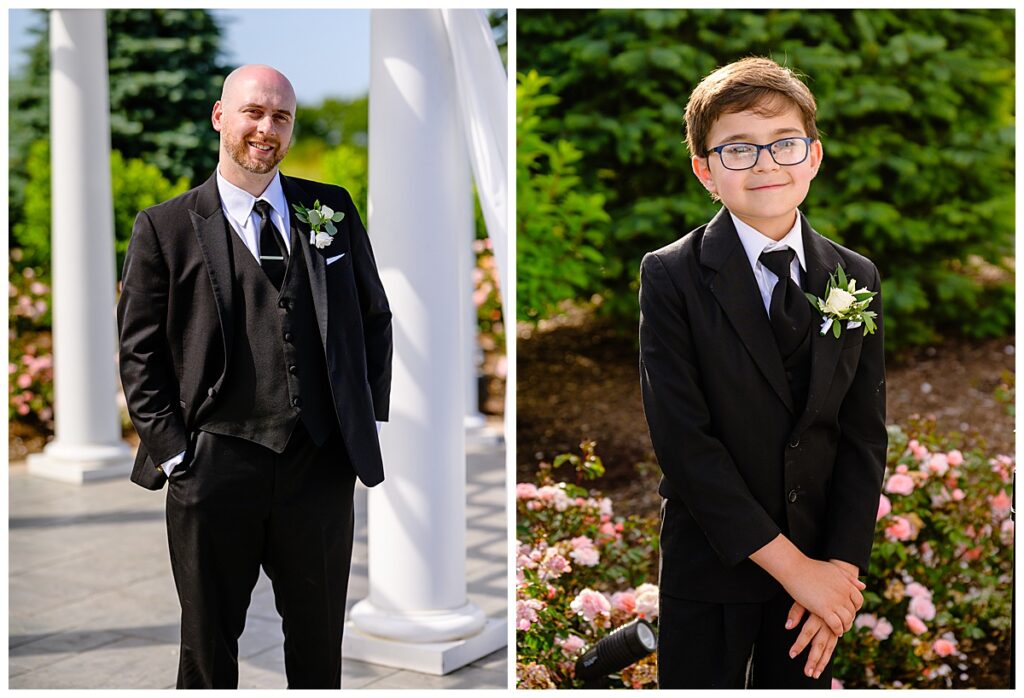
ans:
(256, 359)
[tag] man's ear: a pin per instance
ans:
(216, 115)
(816, 156)
(702, 170)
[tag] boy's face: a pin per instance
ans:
(766, 196)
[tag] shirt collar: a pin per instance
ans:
(755, 242)
(238, 203)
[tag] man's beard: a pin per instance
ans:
(238, 149)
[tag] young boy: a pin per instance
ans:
(770, 435)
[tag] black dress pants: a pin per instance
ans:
(733, 645)
(240, 506)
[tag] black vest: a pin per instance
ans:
(277, 372)
(798, 372)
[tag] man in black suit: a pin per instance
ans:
(256, 359)
(770, 434)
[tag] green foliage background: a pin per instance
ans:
(917, 122)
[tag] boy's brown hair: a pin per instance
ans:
(757, 84)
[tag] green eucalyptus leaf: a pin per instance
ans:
(338, 216)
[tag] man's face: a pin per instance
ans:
(765, 196)
(255, 118)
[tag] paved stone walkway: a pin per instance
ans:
(92, 602)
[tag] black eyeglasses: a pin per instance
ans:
(742, 156)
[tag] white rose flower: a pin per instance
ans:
(322, 240)
(839, 301)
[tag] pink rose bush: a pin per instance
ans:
(942, 562)
(30, 349)
(580, 573)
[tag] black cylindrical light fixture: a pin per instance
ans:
(618, 649)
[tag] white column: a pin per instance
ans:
(87, 444)
(417, 615)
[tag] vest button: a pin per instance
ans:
(794, 443)
(293, 369)
(792, 496)
(212, 392)
(287, 336)
(296, 402)
(283, 303)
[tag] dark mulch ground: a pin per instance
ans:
(578, 379)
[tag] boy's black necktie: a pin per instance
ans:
(789, 311)
(273, 253)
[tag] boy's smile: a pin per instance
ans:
(765, 196)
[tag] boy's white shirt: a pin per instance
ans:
(755, 242)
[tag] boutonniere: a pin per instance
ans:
(319, 216)
(844, 301)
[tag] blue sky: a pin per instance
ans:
(336, 62)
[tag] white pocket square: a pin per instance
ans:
(332, 260)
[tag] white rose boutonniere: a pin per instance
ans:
(319, 216)
(844, 302)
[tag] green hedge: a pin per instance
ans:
(916, 115)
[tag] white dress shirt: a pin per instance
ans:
(755, 242)
(245, 221)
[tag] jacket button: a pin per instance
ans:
(792, 496)
(212, 392)
(794, 443)
(283, 303)
(293, 369)
(287, 336)
(296, 402)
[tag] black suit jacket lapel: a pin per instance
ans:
(314, 261)
(735, 289)
(212, 232)
(822, 260)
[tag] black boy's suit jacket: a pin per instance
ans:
(738, 465)
(176, 323)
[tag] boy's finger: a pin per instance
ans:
(807, 633)
(817, 648)
(796, 612)
(825, 656)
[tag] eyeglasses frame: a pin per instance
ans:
(719, 148)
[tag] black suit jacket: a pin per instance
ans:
(175, 322)
(739, 465)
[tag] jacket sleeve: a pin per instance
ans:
(860, 456)
(373, 304)
(695, 462)
(147, 372)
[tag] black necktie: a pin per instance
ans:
(273, 253)
(789, 311)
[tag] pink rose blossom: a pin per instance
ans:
(584, 552)
(554, 566)
(899, 529)
(526, 490)
(882, 629)
(899, 484)
(922, 607)
(958, 495)
(1006, 532)
(591, 605)
(23, 409)
(955, 458)
(919, 451)
(938, 464)
(915, 589)
(570, 645)
(624, 601)
(1000, 503)
(837, 685)
(865, 620)
(916, 625)
(646, 601)
(902, 469)
(944, 647)
(526, 612)
(884, 507)
(24, 380)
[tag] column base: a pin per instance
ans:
(436, 658)
(80, 464)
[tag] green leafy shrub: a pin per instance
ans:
(560, 228)
(916, 115)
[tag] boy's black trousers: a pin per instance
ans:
(731, 645)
